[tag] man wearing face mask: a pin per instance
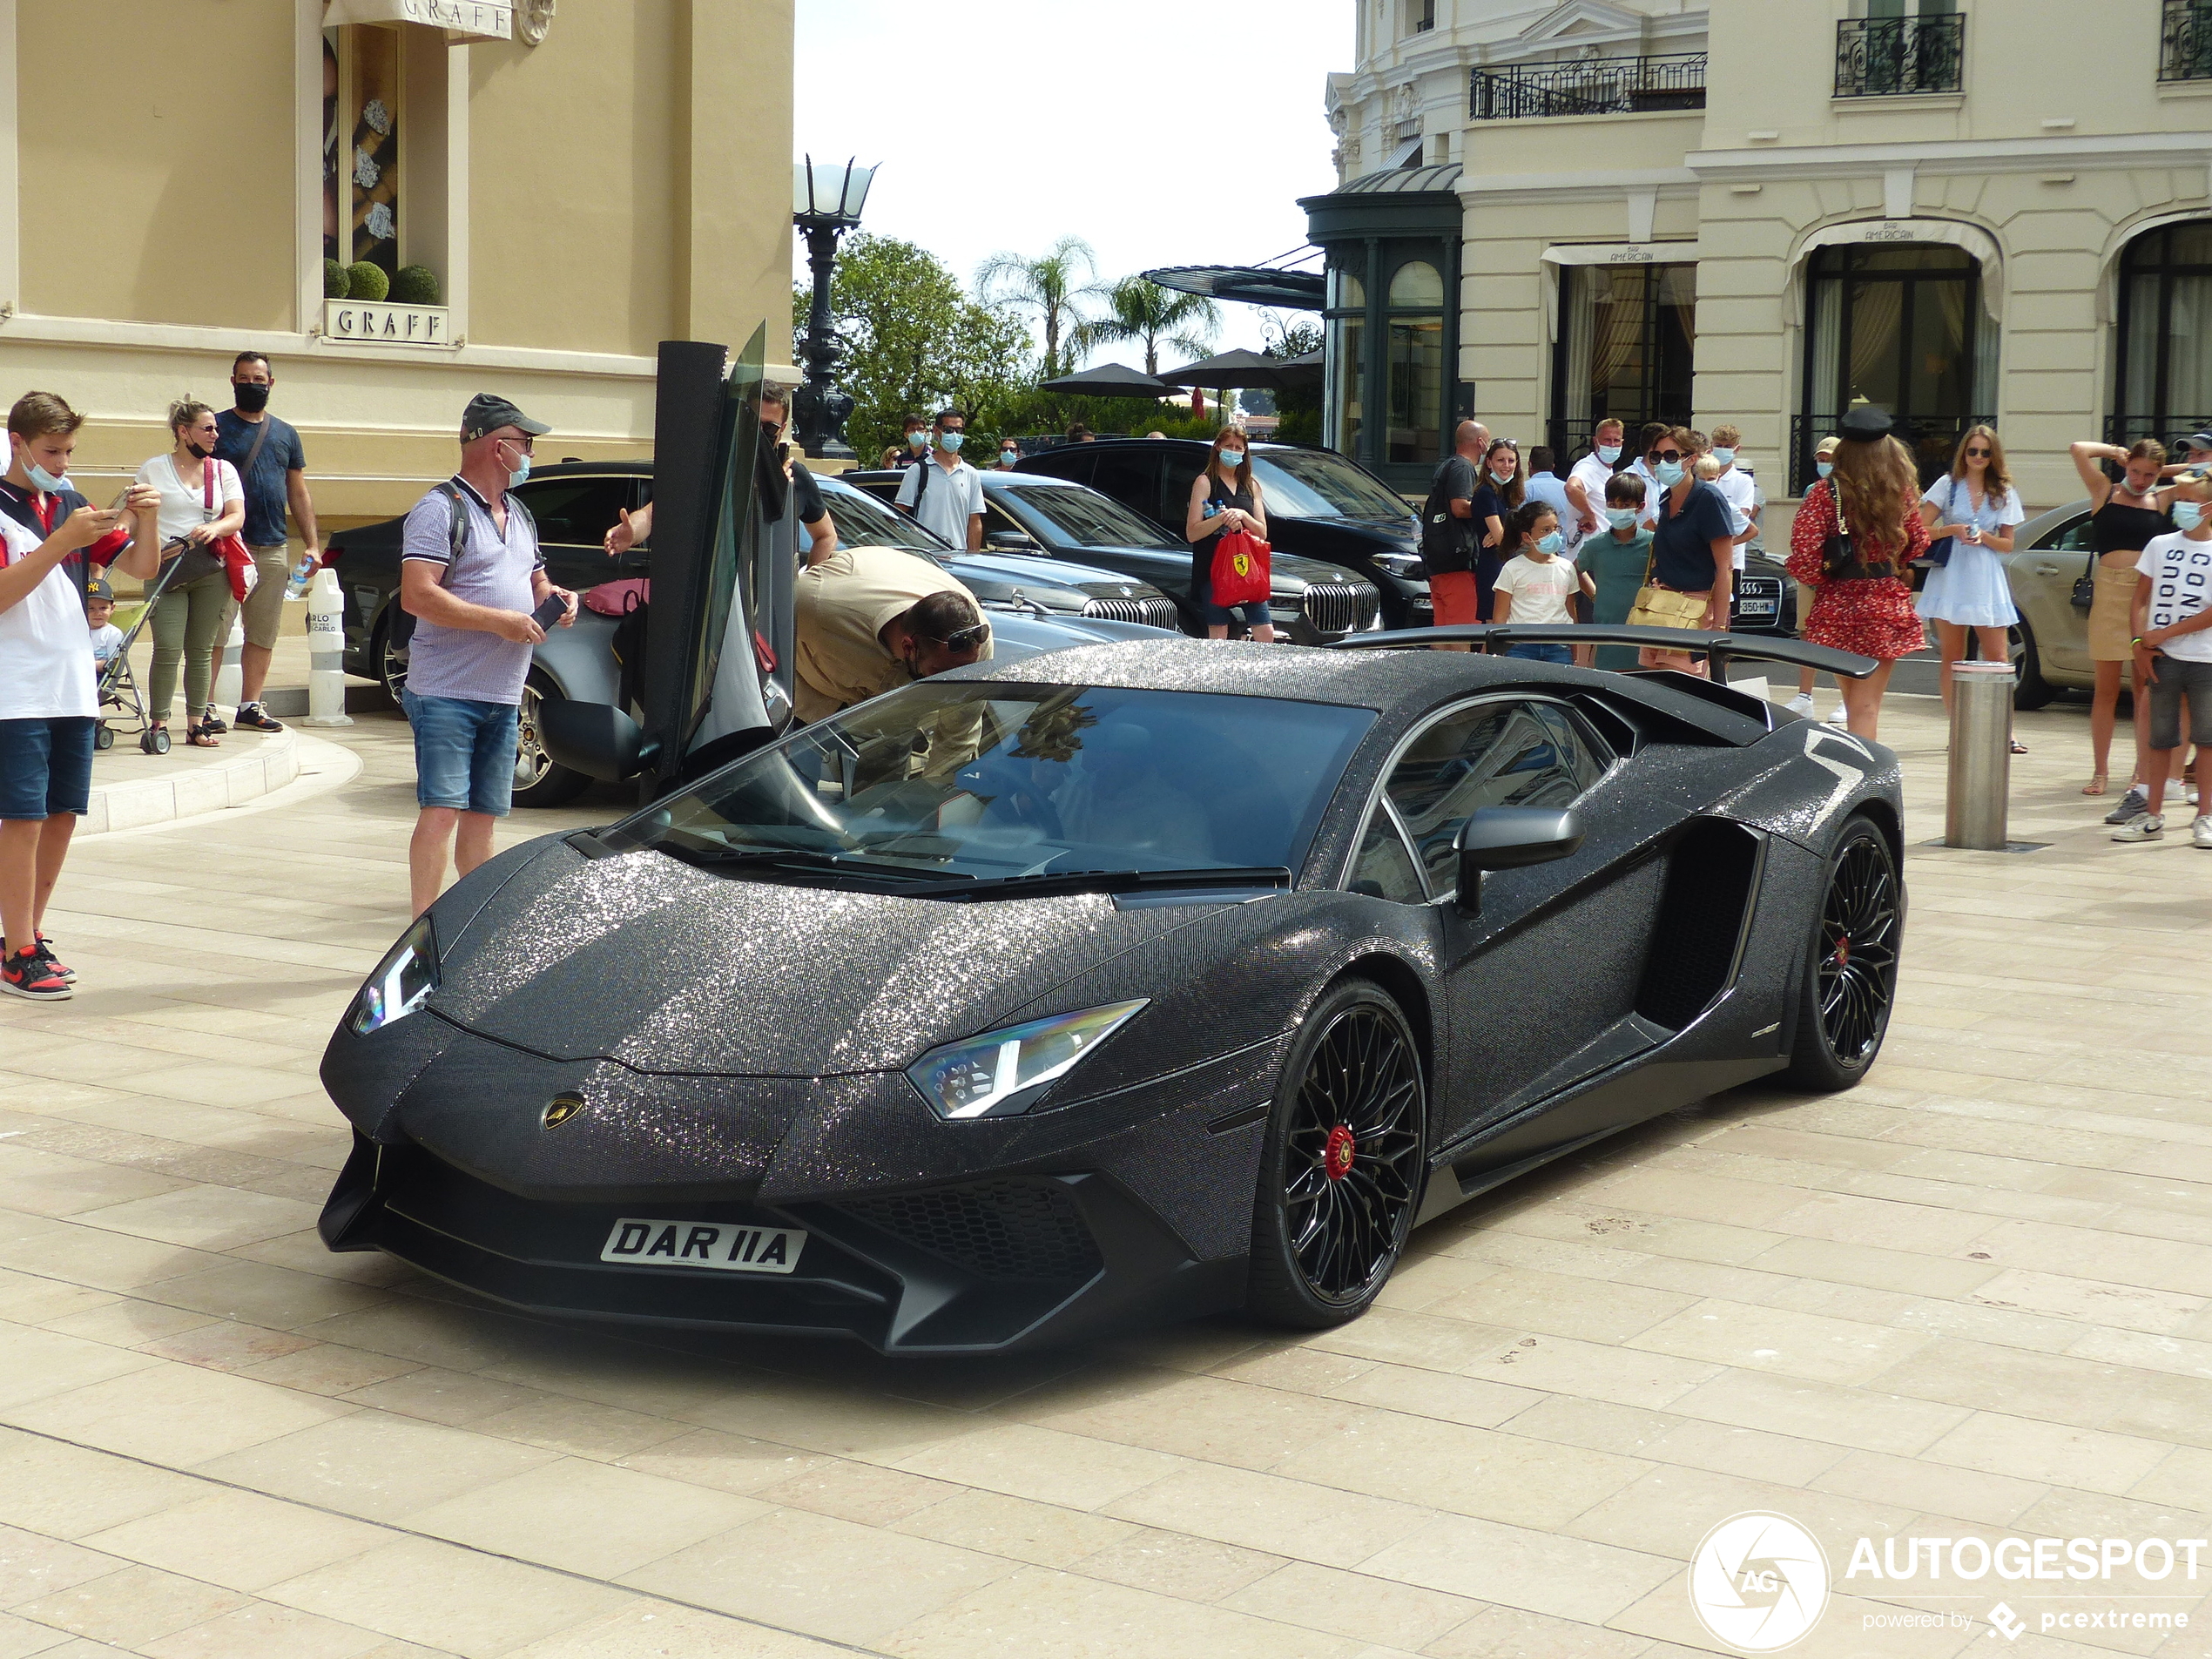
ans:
(870, 619)
(471, 575)
(271, 466)
(1010, 453)
(1587, 480)
(944, 492)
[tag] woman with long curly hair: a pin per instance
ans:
(1855, 533)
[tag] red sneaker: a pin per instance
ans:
(26, 973)
(46, 948)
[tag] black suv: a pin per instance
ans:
(1319, 506)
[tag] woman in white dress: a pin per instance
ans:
(1976, 505)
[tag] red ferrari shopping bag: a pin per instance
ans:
(1240, 574)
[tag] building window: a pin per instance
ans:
(1889, 53)
(1896, 324)
(1347, 356)
(1421, 17)
(2185, 40)
(1626, 350)
(363, 105)
(1416, 364)
(2165, 355)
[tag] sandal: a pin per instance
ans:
(2095, 785)
(203, 737)
(2019, 748)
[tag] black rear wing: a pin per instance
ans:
(1498, 638)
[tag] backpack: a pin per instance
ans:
(400, 630)
(1447, 543)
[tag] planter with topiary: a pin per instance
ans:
(365, 306)
(336, 285)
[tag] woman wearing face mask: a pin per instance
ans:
(1225, 497)
(1009, 452)
(1976, 506)
(1693, 540)
(2124, 518)
(1870, 506)
(1497, 495)
(202, 501)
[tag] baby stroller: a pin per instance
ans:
(118, 688)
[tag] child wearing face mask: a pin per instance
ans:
(2171, 634)
(1615, 561)
(1538, 585)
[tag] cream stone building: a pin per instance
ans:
(564, 183)
(1763, 212)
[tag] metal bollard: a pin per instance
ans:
(230, 673)
(1981, 756)
(326, 653)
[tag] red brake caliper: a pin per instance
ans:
(1336, 1157)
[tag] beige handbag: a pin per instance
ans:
(1658, 607)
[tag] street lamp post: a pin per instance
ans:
(826, 203)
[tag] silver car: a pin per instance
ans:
(2050, 552)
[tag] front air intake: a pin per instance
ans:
(1711, 874)
(994, 1229)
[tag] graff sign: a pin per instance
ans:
(354, 323)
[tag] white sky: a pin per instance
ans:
(1069, 117)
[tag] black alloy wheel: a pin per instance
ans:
(1341, 1172)
(539, 780)
(1851, 982)
(2030, 689)
(389, 664)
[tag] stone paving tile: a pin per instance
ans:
(1978, 1287)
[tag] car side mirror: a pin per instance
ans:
(1508, 837)
(1010, 541)
(597, 739)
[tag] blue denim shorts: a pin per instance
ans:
(46, 766)
(464, 754)
(1543, 653)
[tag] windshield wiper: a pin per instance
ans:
(1045, 883)
(792, 858)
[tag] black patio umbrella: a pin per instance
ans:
(1241, 368)
(1110, 379)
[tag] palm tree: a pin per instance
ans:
(1138, 310)
(1053, 286)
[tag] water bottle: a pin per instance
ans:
(302, 573)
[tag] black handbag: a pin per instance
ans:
(1939, 550)
(2085, 585)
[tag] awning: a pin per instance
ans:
(1861, 233)
(1620, 254)
(1257, 285)
(472, 19)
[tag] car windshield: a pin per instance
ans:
(945, 780)
(1089, 519)
(862, 521)
(1313, 483)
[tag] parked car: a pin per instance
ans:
(1319, 506)
(1312, 603)
(2050, 642)
(575, 503)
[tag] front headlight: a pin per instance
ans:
(1403, 565)
(401, 983)
(1004, 1072)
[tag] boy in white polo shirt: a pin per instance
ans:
(50, 539)
(2172, 639)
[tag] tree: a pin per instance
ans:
(1141, 311)
(1053, 286)
(1298, 408)
(914, 343)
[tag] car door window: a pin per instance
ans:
(1501, 754)
(1183, 472)
(1131, 477)
(573, 518)
(2071, 535)
(1385, 869)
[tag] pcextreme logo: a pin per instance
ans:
(1758, 1581)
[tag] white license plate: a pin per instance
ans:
(1757, 607)
(725, 1246)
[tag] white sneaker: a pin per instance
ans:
(1841, 716)
(2201, 831)
(2146, 826)
(1801, 704)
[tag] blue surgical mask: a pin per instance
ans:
(951, 441)
(1505, 477)
(1551, 544)
(47, 482)
(1622, 518)
(1008, 457)
(1608, 452)
(2187, 515)
(1725, 456)
(1823, 467)
(917, 440)
(1669, 473)
(1232, 459)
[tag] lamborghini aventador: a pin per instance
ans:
(1118, 983)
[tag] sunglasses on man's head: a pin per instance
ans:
(963, 638)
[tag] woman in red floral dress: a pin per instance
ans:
(1861, 601)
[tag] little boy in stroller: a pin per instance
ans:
(111, 663)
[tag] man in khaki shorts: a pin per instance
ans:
(272, 468)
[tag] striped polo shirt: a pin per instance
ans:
(495, 569)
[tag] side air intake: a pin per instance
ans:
(1712, 871)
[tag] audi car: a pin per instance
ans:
(1117, 984)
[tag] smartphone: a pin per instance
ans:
(550, 612)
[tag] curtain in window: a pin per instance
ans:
(1619, 328)
(1875, 309)
(2188, 384)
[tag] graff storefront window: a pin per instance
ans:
(361, 146)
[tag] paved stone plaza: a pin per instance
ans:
(1973, 1296)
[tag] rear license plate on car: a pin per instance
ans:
(1757, 607)
(726, 1246)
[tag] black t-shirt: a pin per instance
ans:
(1490, 503)
(1681, 554)
(1447, 543)
(806, 494)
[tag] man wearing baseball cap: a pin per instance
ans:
(471, 576)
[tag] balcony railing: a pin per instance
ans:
(2185, 40)
(2126, 430)
(1886, 57)
(1597, 86)
(1932, 439)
